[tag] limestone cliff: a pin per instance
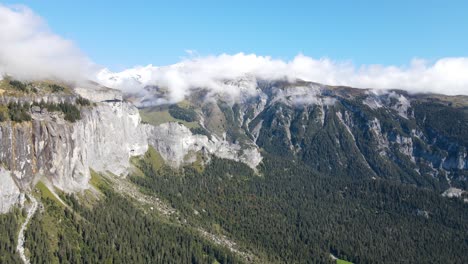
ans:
(176, 143)
(48, 146)
(108, 133)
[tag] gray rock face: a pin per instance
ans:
(97, 93)
(111, 133)
(334, 129)
(176, 144)
(9, 192)
(104, 139)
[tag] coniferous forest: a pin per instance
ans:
(114, 231)
(284, 213)
(230, 132)
(291, 214)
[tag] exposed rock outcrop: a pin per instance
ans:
(336, 130)
(175, 143)
(9, 192)
(104, 139)
(96, 93)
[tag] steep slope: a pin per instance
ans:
(104, 137)
(413, 139)
(353, 173)
(281, 172)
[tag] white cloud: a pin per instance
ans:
(29, 50)
(446, 76)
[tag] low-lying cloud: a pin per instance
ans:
(30, 50)
(445, 76)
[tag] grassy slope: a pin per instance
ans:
(45, 193)
(155, 116)
(154, 158)
(43, 87)
(50, 220)
(98, 181)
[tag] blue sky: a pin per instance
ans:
(121, 34)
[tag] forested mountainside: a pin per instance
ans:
(295, 172)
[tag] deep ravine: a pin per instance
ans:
(20, 245)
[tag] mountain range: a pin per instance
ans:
(260, 171)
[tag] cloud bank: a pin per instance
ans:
(30, 50)
(445, 76)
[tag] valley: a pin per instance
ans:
(295, 173)
(233, 132)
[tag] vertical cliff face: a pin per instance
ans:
(9, 192)
(104, 139)
(107, 135)
(16, 150)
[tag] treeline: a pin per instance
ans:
(291, 214)
(15, 112)
(70, 111)
(26, 87)
(19, 85)
(21, 112)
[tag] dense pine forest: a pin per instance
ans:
(284, 213)
(9, 226)
(289, 213)
(113, 231)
